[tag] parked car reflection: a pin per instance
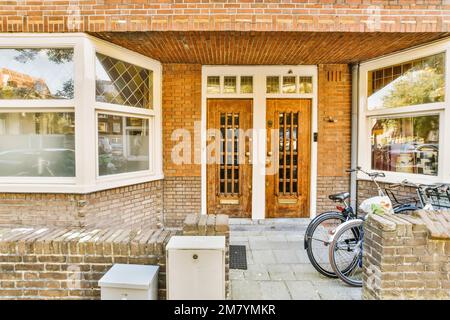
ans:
(49, 162)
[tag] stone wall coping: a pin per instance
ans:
(77, 235)
(436, 223)
(206, 224)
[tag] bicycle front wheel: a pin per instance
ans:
(317, 240)
(345, 252)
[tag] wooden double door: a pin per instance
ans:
(229, 168)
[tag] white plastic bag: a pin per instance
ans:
(378, 205)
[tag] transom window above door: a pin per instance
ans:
(229, 84)
(290, 84)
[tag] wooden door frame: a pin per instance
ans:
(259, 97)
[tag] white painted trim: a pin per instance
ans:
(259, 97)
(440, 108)
(85, 107)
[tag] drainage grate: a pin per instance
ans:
(238, 257)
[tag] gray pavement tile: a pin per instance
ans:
(245, 290)
(263, 256)
(302, 290)
(274, 290)
(286, 256)
(280, 272)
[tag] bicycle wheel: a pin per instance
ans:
(317, 241)
(345, 252)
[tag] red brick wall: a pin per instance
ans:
(162, 15)
(334, 139)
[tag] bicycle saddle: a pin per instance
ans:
(339, 196)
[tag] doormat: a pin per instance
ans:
(238, 257)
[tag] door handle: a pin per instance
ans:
(269, 154)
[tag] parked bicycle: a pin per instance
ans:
(322, 227)
(346, 247)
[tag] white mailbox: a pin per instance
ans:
(130, 282)
(196, 268)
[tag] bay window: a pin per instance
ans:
(77, 114)
(404, 115)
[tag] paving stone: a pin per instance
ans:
(236, 274)
(263, 256)
(302, 290)
(274, 290)
(257, 272)
(286, 256)
(280, 272)
(245, 290)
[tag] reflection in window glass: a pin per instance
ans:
(273, 84)
(36, 74)
(289, 84)
(37, 144)
(123, 83)
(305, 85)
(246, 84)
(410, 83)
(229, 84)
(409, 144)
(123, 144)
(213, 84)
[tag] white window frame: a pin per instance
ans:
(259, 97)
(438, 108)
(86, 108)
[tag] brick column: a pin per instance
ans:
(407, 257)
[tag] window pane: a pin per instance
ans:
(123, 144)
(213, 85)
(36, 73)
(289, 85)
(37, 144)
(273, 84)
(411, 83)
(247, 84)
(409, 144)
(123, 83)
(229, 85)
(305, 85)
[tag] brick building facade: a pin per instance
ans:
(320, 40)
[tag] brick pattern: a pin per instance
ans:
(56, 263)
(334, 138)
(182, 196)
(367, 189)
(249, 15)
(61, 263)
(211, 225)
(181, 110)
(132, 206)
(401, 261)
(265, 48)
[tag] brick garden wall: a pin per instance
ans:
(61, 263)
(250, 15)
(126, 207)
(403, 257)
(57, 263)
(334, 140)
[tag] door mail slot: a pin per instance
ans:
(287, 201)
(229, 201)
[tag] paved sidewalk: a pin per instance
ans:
(278, 266)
